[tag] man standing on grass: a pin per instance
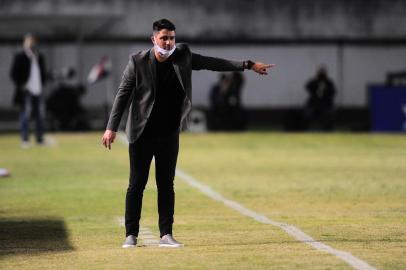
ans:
(29, 75)
(157, 85)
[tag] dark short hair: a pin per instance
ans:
(30, 35)
(163, 24)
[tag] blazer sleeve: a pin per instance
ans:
(215, 64)
(128, 83)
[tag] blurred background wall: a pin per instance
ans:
(358, 41)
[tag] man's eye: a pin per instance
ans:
(167, 38)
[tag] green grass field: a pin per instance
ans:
(60, 208)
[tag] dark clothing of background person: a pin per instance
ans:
(236, 113)
(320, 104)
(64, 109)
(218, 103)
(29, 104)
(20, 72)
(226, 112)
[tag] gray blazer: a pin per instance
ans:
(138, 84)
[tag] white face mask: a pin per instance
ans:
(162, 52)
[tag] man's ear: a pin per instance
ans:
(153, 39)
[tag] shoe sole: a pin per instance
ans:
(170, 246)
(128, 246)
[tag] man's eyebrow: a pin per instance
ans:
(167, 36)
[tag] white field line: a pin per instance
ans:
(145, 234)
(293, 231)
(290, 229)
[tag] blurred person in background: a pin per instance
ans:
(157, 82)
(319, 110)
(236, 111)
(64, 108)
(28, 74)
(226, 112)
(217, 98)
(396, 78)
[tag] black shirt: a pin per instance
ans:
(165, 116)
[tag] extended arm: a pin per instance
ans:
(217, 64)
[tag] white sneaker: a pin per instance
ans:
(168, 241)
(130, 242)
(4, 172)
(25, 144)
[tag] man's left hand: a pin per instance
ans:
(261, 68)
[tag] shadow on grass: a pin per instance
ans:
(31, 236)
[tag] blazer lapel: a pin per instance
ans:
(152, 68)
(177, 71)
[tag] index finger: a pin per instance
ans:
(106, 143)
(269, 65)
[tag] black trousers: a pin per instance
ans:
(165, 150)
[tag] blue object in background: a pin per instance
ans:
(387, 106)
